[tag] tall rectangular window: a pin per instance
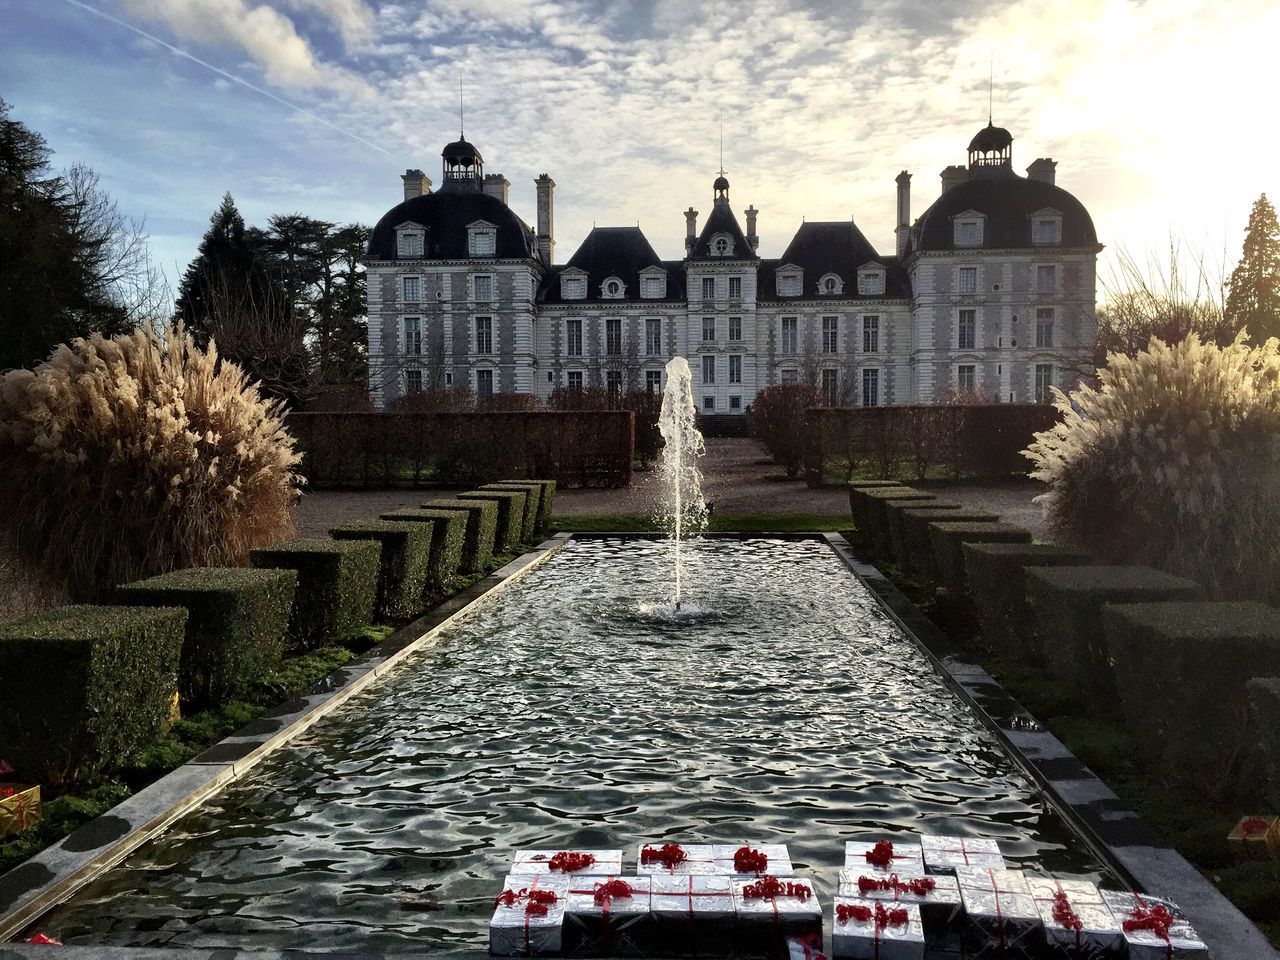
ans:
(412, 381)
(613, 336)
(708, 329)
(1046, 278)
(483, 286)
(655, 287)
(789, 335)
(1044, 380)
(870, 387)
(573, 338)
(708, 288)
(966, 329)
(653, 381)
(830, 387)
(871, 334)
(481, 243)
(574, 379)
(1044, 327)
(735, 288)
(613, 383)
(735, 403)
(412, 289)
(708, 369)
(653, 338)
(830, 334)
(1046, 231)
(735, 328)
(791, 375)
(735, 368)
(410, 244)
(484, 335)
(965, 376)
(413, 336)
(484, 383)
(708, 403)
(966, 279)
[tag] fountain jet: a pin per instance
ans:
(683, 509)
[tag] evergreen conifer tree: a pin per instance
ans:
(1253, 292)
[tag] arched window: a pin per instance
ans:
(613, 288)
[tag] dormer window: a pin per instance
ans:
(968, 229)
(613, 289)
(1046, 227)
(653, 286)
(721, 245)
(573, 286)
(409, 243)
(482, 239)
(790, 283)
(871, 282)
(830, 285)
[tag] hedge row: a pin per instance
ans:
(573, 447)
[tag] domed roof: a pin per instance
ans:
(1009, 204)
(991, 139)
(722, 183)
(460, 151)
(446, 216)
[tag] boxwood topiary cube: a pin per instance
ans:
(860, 505)
(448, 529)
(532, 503)
(893, 510)
(481, 527)
(510, 526)
(86, 688)
(878, 516)
(337, 586)
(402, 564)
(235, 631)
(1181, 669)
(948, 537)
(997, 584)
(1067, 604)
(546, 504)
(915, 519)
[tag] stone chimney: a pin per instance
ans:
(546, 218)
(1042, 170)
(750, 213)
(904, 211)
(690, 229)
(953, 176)
(416, 184)
(496, 185)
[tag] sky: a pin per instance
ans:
(1159, 114)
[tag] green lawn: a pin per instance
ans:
(745, 523)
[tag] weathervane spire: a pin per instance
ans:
(462, 133)
(991, 73)
(721, 143)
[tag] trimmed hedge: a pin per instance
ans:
(86, 688)
(479, 538)
(949, 537)
(337, 586)
(1067, 604)
(532, 500)
(915, 521)
(893, 511)
(448, 530)
(877, 519)
(546, 507)
(1181, 670)
(1264, 709)
(997, 584)
(235, 630)
(860, 505)
(510, 525)
(402, 565)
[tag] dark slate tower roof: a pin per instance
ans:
(446, 216)
(990, 139)
(838, 247)
(1008, 203)
(723, 221)
(620, 252)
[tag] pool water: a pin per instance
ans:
(577, 709)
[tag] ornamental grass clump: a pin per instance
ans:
(122, 458)
(1173, 461)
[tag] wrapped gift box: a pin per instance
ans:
(19, 808)
(1001, 915)
(674, 859)
(805, 948)
(744, 860)
(1077, 924)
(608, 917)
(1154, 928)
(693, 915)
(884, 857)
(875, 930)
(586, 863)
(528, 917)
(938, 898)
(945, 854)
(1254, 838)
(770, 911)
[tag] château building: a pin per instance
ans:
(991, 290)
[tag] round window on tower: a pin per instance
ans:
(613, 288)
(829, 285)
(722, 246)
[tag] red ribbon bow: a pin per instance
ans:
(45, 940)
(1157, 919)
(917, 885)
(1253, 826)
(537, 902)
(881, 855)
(1064, 914)
(747, 860)
(569, 861)
(897, 917)
(611, 890)
(770, 888)
(669, 855)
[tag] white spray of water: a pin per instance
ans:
(683, 509)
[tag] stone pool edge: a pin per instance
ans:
(56, 873)
(1120, 837)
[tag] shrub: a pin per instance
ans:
(479, 538)
(448, 531)
(337, 586)
(919, 538)
(235, 631)
(1174, 461)
(898, 546)
(1067, 604)
(126, 457)
(779, 422)
(507, 403)
(510, 521)
(878, 518)
(950, 535)
(84, 688)
(532, 501)
(1264, 709)
(546, 506)
(997, 581)
(402, 565)
(545, 491)
(860, 506)
(1181, 670)
(444, 400)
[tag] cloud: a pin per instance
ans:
(353, 19)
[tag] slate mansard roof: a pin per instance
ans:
(722, 220)
(621, 252)
(445, 215)
(839, 247)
